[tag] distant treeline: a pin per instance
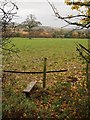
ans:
(47, 32)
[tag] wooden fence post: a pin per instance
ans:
(44, 73)
(87, 72)
(88, 85)
(88, 77)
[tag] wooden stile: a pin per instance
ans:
(29, 88)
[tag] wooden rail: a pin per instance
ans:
(22, 72)
(44, 72)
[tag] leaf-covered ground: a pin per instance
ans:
(65, 96)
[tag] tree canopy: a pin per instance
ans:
(83, 8)
(30, 23)
(81, 19)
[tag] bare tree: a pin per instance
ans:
(8, 11)
(30, 23)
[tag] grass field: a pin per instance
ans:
(62, 99)
(56, 50)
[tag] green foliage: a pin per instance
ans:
(83, 9)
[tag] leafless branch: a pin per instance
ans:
(68, 20)
(7, 26)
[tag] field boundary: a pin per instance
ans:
(40, 72)
(22, 72)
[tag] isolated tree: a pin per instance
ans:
(8, 11)
(30, 23)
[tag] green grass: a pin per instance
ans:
(55, 50)
(48, 47)
(45, 44)
(61, 99)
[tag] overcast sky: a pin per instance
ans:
(42, 11)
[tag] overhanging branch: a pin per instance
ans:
(68, 20)
(80, 3)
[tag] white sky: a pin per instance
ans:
(42, 11)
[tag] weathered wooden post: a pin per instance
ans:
(87, 71)
(88, 85)
(88, 77)
(44, 73)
